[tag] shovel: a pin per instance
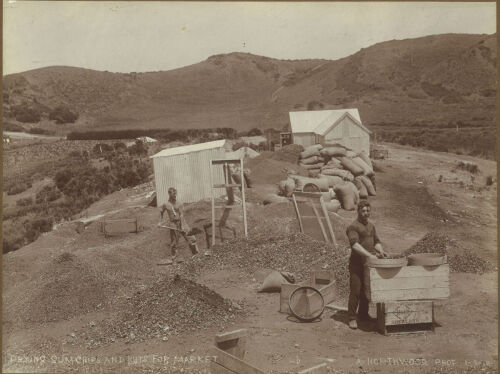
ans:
(191, 232)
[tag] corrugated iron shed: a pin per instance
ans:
(187, 169)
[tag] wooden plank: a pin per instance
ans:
(327, 239)
(227, 185)
(233, 363)
(409, 283)
(395, 306)
(318, 369)
(333, 306)
(286, 291)
(408, 271)
(328, 292)
(408, 312)
(414, 294)
(311, 212)
(322, 277)
(226, 161)
(230, 335)
(120, 226)
(298, 213)
(235, 347)
(215, 368)
(328, 223)
(381, 318)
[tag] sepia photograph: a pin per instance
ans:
(249, 187)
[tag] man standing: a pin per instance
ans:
(364, 244)
(175, 212)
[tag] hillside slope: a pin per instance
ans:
(439, 78)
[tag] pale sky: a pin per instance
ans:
(151, 36)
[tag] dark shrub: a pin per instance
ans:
(62, 114)
(14, 236)
(101, 148)
(119, 146)
(27, 115)
(39, 130)
(76, 154)
(47, 194)
(254, 132)
(41, 224)
(62, 177)
(24, 201)
(12, 127)
(138, 149)
(18, 188)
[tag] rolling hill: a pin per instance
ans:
(435, 79)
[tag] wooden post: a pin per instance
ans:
(243, 201)
(213, 202)
(381, 318)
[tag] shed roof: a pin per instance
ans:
(147, 139)
(190, 148)
(329, 123)
(311, 120)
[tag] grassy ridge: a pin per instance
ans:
(477, 141)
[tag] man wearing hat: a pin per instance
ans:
(175, 211)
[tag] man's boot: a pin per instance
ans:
(353, 324)
(194, 248)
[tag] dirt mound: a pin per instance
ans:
(66, 288)
(469, 263)
(271, 167)
(461, 260)
(167, 307)
(433, 242)
(289, 153)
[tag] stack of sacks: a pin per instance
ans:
(311, 159)
(353, 173)
(342, 175)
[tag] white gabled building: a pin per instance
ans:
(339, 126)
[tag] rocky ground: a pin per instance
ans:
(81, 302)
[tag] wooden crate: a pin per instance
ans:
(233, 342)
(407, 283)
(119, 226)
(228, 356)
(322, 280)
(379, 154)
(405, 316)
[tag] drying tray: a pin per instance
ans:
(427, 259)
(386, 262)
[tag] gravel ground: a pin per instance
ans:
(461, 260)
(167, 308)
(68, 287)
(295, 253)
